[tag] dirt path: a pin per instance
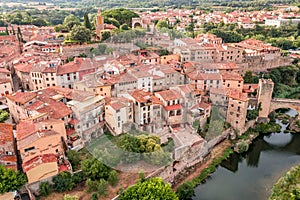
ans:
(216, 152)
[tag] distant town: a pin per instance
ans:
(188, 79)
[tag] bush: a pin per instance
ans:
(78, 177)
(3, 115)
(45, 189)
(185, 191)
(74, 159)
(102, 187)
(113, 178)
(287, 186)
(94, 196)
(243, 146)
(63, 182)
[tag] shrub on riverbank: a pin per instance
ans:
(287, 187)
(267, 128)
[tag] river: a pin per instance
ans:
(252, 175)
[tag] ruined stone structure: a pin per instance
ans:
(266, 87)
(268, 104)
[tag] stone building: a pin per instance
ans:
(118, 113)
(237, 110)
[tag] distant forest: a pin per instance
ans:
(160, 3)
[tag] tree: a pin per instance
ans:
(39, 22)
(248, 77)
(63, 182)
(10, 180)
(6, 31)
(74, 159)
(124, 27)
(70, 21)
(154, 188)
(112, 21)
(61, 28)
(86, 22)
(94, 169)
(45, 189)
(185, 191)
(105, 35)
(3, 115)
(80, 34)
(113, 178)
(123, 16)
(102, 187)
(19, 35)
(162, 24)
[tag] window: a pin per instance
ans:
(119, 118)
(29, 149)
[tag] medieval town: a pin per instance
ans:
(189, 93)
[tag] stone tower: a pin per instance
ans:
(266, 87)
(99, 24)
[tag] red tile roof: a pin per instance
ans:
(141, 96)
(9, 158)
(38, 160)
(24, 129)
(22, 97)
(173, 107)
(169, 95)
(79, 64)
(232, 76)
(6, 132)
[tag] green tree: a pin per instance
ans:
(3, 116)
(86, 22)
(162, 24)
(74, 159)
(186, 191)
(123, 16)
(10, 180)
(113, 178)
(124, 27)
(70, 21)
(39, 22)
(19, 35)
(6, 31)
(102, 187)
(81, 34)
(112, 21)
(90, 185)
(61, 28)
(154, 188)
(94, 169)
(45, 189)
(63, 182)
(105, 35)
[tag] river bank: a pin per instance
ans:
(216, 153)
(252, 174)
(288, 186)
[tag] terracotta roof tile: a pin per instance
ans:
(38, 160)
(6, 132)
(22, 97)
(169, 95)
